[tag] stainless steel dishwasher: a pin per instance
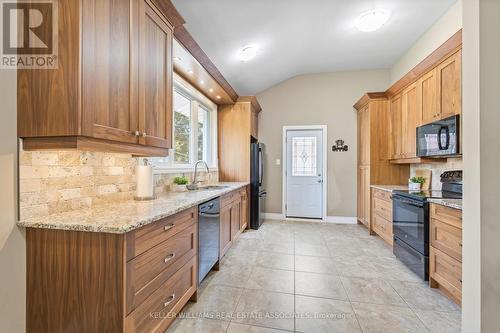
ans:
(208, 236)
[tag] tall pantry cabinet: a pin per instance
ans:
(374, 151)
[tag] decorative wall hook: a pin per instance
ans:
(339, 146)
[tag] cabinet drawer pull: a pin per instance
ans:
(169, 257)
(170, 300)
(168, 227)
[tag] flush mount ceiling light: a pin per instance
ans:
(372, 20)
(248, 53)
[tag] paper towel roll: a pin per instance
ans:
(145, 188)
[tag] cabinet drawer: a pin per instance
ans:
(157, 312)
(228, 198)
(146, 272)
(382, 227)
(143, 239)
(382, 195)
(447, 215)
(446, 238)
(446, 271)
(382, 208)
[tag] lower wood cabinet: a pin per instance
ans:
(381, 220)
(445, 256)
(233, 218)
(98, 282)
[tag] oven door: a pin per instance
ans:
(411, 222)
(414, 260)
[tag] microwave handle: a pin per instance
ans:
(447, 144)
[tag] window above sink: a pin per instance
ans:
(194, 131)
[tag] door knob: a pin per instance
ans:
(320, 181)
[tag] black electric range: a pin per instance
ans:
(411, 221)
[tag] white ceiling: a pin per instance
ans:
(302, 36)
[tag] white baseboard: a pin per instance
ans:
(341, 219)
(328, 219)
(272, 216)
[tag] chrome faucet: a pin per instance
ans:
(194, 185)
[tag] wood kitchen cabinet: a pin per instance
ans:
(382, 214)
(411, 118)
(245, 211)
(233, 218)
(155, 78)
(441, 90)
(112, 89)
(405, 118)
(79, 281)
(435, 95)
(428, 99)
(397, 126)
(449, 77)
(237, 128)
(445, 255)
(374, 152)
(225, 230)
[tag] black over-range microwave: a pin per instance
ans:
(440, 138)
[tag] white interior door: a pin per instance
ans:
(304, 173)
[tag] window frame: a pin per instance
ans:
(198, 101)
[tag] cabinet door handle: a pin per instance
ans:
(169, 257)
(168, 227)
(136, 133)
(169, 300)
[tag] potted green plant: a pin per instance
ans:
(179, 184)
(415, 183)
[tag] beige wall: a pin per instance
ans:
(320, 99)
(12, 241)
(436, 35)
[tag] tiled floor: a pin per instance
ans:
(314, 277)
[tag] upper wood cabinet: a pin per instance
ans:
(112, 89)
(155, 78)
(364, 132)
(428, 99)
(449, 76)
(397, 126)
(237, 128)
(411, 119)
(108, 109)
(435, 95)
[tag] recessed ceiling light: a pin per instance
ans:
(248, 53)
(372, 20)
(190, 71)
(210, 90)
(218, 97)
(202, 82)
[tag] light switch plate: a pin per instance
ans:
(278, 161)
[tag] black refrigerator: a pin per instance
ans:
(257, 192)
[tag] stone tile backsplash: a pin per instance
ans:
(437, 169)
(59, 181)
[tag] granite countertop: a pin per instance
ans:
(390, 188)
(128, 215)
(452, 203)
